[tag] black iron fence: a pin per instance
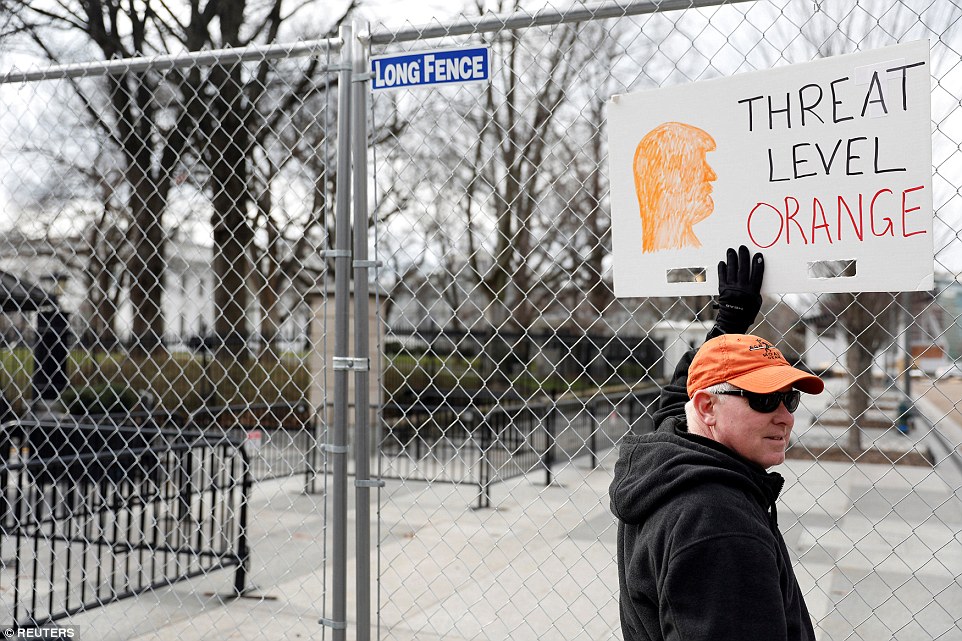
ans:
(475, 445)
(91, 514)
(281, 439)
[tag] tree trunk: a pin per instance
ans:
(230, 287)
(859, 362)
(227, 156)
(231, 232)
(599, 294)
(147, 263)
(102, 283)
(269, 293)
(496, 351)
(104, 317)
(860, 321)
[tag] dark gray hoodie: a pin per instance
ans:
(700, 556)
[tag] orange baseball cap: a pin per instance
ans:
(749, 363)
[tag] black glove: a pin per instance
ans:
(739, 297)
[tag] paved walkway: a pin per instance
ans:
(878, 547)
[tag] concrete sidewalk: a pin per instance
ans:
(878, 548)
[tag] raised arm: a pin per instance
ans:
(739, 301)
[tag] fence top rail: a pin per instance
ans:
(230, 55)
(91, 423)
(103, 422)
(293, 406)
(178, 437)
(234, 446)
(548, 16)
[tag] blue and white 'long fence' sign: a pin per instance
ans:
(444, 66)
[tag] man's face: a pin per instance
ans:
(760, 438)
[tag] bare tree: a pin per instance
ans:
(147, 133)
(868, 319)
(292, 116)
(519, 152)
(105, 273)
(243, 117)
(214, 118)
(505, 188)
(75, 207)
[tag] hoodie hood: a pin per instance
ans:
(654, 468)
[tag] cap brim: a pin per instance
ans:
(770, 379)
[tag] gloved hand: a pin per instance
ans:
(739, 297)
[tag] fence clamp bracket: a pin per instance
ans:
(334, 625)
(335, 253)
(336, 449)
(369, 483)
(368, 263)
(351, 363)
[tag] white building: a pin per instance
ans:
(61, 266)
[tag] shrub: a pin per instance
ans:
(100, 399)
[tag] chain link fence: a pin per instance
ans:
(282, 355)
(164, 323)
(510, 365)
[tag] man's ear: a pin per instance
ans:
(704, 405)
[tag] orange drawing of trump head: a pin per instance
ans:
(673, 184)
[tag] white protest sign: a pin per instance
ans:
(825, 161)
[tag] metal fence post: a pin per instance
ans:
(593, 435)
(362, 403)
(905, 412)
(549, 443)
(342, 276)
(311, 456)
(243, 547)
(484, 466)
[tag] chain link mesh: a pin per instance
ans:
(511, 371)
(167, 254)
(164, 329)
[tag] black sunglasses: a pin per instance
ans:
(768, 403)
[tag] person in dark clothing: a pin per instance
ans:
(700, 555)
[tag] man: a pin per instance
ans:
(700, 556)
(673, 184)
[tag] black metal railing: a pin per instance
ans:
(482, 446)
(281, 439)
(91, 514)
